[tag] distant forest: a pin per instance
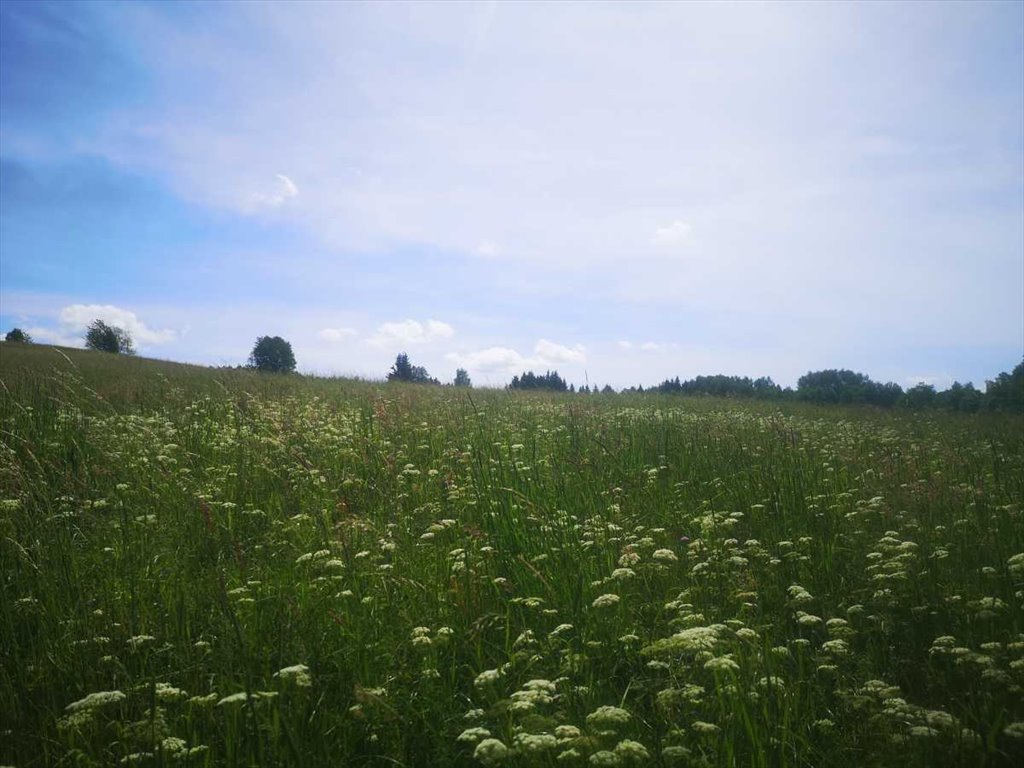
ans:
(832, 386)
(273, 354)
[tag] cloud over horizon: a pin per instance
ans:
(396, 334)
(782, 187)
(77, 317)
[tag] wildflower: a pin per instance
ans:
(167, 692)
(705, 728)
(688, 640)
(604, 759)
(135, 758)
(561, 629)
(1016, 564)
(534, 743)
(421, 637)
(1014, 730)
(799, 595)
(134, 643)
(608, 718)
(631, 751)
(836, 647)
(628, 559)
(567, 732)
(95, 700)
(605, 601)
(544, 686)
(665, 556)
(297, 674)
(487, 677)
(675, 754)
(721, 664)
(174, 745)
(490, 751)
(473, 735)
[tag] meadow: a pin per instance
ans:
(218, 568)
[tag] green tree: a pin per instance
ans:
(108, 338)
(462, 378)
(403, 370)
(272, 354)
(18, 336)
(919, 396)
(1006, 392)
(549, 380)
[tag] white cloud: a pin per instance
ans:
(283, 190)
(487, 249)
(650, 346)
(550, 352)
(52, 336)
(499, 360)
(437, 329)
(336, 334)
(505, 360)
(676, 233)
(799, 218)
(624, 344)
(410, 332)
(77, 317)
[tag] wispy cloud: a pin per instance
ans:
(282, 190)
(337, 334)
(676, 233)
(549, 351)
(487, 249)
(506, 361)
(397, 334)
(820, 201)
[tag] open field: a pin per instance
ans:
(208, 567)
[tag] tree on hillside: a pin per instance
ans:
(18, 336)
(462, 378)
(403, 370)
(272, 354)
(108, 338)
(1007, 391)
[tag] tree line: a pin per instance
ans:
(841, 386)
(272, 354)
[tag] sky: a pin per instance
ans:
(622, 192)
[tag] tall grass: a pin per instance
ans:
(206, 567)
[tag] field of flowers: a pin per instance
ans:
(208, 568)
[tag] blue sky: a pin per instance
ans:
(624, 192)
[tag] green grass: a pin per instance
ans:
(792, 586)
